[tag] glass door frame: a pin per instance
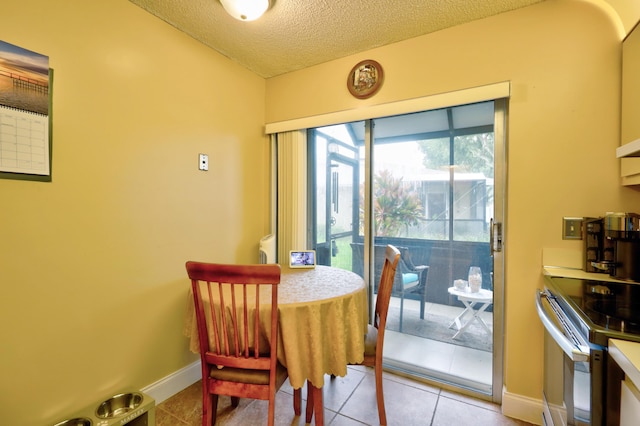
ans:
(332, 157)
(499, 216)
(500, 180)
(500, 192)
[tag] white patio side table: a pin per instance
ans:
(469, 300)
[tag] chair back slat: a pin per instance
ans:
(223, 318)
(215, 328)
(256, 322)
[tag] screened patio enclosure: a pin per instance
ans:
(432, 190)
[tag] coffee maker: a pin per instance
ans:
(612, 245)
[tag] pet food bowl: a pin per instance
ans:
(78, 421)
(118, 405)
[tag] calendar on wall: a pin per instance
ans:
(25, 116)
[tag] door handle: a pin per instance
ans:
(575, 351)
(495, 236)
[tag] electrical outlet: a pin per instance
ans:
(572, 228)
(203, 162)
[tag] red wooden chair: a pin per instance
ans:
(235, 361)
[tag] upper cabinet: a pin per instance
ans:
(630, 131)
(629, 151)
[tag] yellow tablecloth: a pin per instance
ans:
(323, 319)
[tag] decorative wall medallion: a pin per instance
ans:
(365, 79)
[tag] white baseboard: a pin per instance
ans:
(170, 385)
(521, 407)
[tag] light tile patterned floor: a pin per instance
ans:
(348, 401)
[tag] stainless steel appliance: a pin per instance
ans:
(581, 382)
(598, 250)
(612, 245)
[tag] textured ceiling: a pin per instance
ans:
(295, 34)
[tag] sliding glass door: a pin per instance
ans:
(424, 182)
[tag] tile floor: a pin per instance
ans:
(348, 401)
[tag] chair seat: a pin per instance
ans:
(410, 281)
(409, 278)
(242, 375)
(370, 340)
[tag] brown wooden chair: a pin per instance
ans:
(374, 339)
(235, 361)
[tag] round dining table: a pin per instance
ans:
(323, 316)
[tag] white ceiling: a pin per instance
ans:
(295, 34)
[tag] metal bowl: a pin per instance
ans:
(118, 405)
(78, 421)
(460, 284)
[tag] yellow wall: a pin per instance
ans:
(92, 279)
(627, 12)
(92, 264)
(563, 61)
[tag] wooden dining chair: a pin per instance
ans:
(235, 361)
(374, 339)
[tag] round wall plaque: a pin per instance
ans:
(365, 79)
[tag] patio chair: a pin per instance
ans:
(235, 361)
(409, 279)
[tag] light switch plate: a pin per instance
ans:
(203, 162)
(572, 228)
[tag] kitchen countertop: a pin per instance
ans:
(558, 271)
(627, 356)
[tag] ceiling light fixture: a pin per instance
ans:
(245, 10)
